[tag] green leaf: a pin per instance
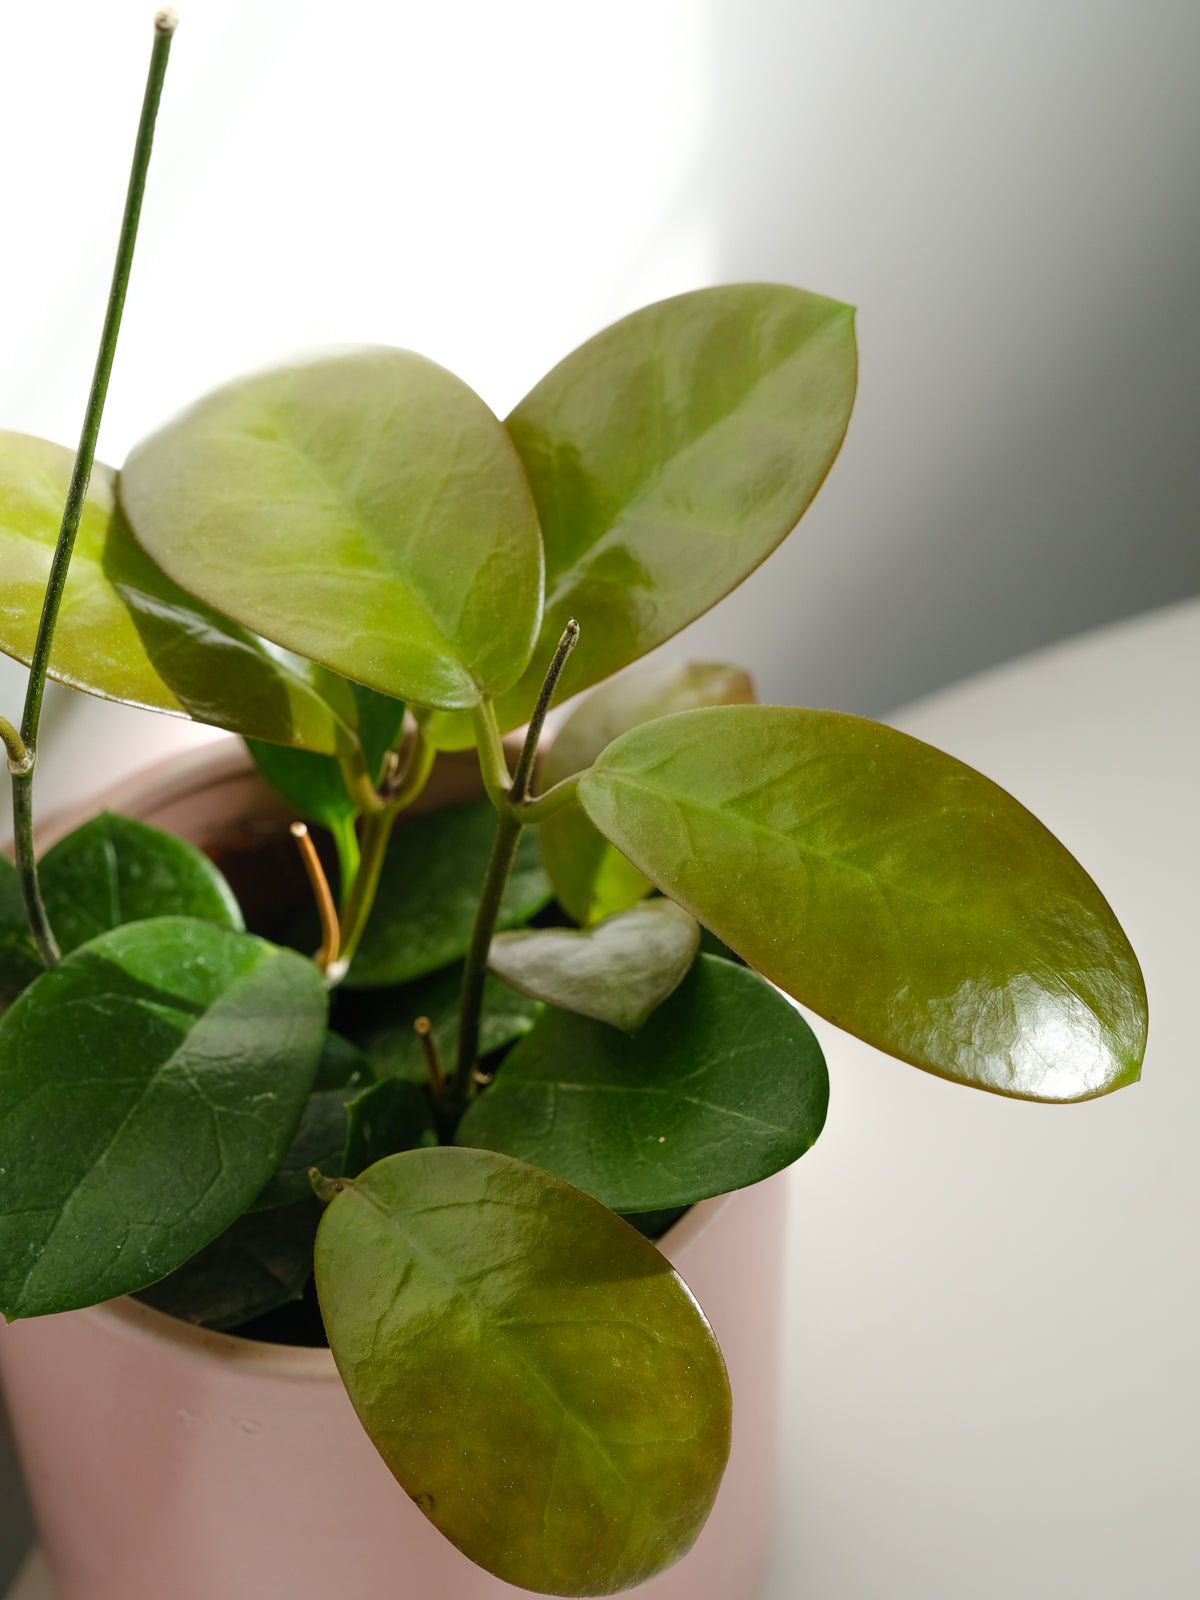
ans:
(428, 891)
(128, 633)
(592, 880)
(114, 870)
(532, 1370)
(617, 972)
(20, 963)
(320, 1141)
(384, 1119)
(669, 456)
(260, 1263)
(886, 885)
(723, 1086)
(149, 1086)
(381, 1020)
(380, 726)
(366, 510)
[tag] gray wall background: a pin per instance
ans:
(1007, 192)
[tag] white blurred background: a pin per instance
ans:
(1007, 192)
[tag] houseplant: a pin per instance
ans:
(428, 578)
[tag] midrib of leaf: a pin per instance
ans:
(650, 1091)
(485, 1317)
(807, 852)
(371, 535)
(166, 1068)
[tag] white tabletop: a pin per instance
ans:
(993, 1308)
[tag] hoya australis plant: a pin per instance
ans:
(510, 1040)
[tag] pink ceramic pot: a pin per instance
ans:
(165, 1462)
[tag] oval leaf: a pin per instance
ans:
(723, 1086)
(373, 486)
(617, 972)
(669, 456)
(428, 891)
(886, 885)
(115, 870)
(149, 1085)
(592, 880)
(128, 633)
(533, 1372)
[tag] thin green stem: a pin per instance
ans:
(523, 777)
(509, 827)
(31, 894)
(487, 913)
(377, 830)
(493, 763)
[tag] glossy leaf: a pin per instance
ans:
(261, 1262)
(386, 1118)
(592, 880)
(320, 1140)
(617, 972)
(149, 1086)
(723, 1086)
(128, 633)
(886, 885)
(20, 963)
(114, 870)
(366, 510)
(428, 891)
(382, 1020)
(668, 457)
(532, 1370)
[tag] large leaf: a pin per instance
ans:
(592, 880)
(366, 510)
(429, 889)
(887, 886)
(617, 972)
(669, 456)
(261, 1262)
(533, 1372)
(381, 1020)
(110, 871)
(127, 632)
(149, 1085)
(114, 870)
(723, 1086)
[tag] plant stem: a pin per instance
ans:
(509, 827)
(377, 830)
(31, 893)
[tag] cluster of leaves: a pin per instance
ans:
(355, 565)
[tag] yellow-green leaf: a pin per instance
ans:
(886, 885)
